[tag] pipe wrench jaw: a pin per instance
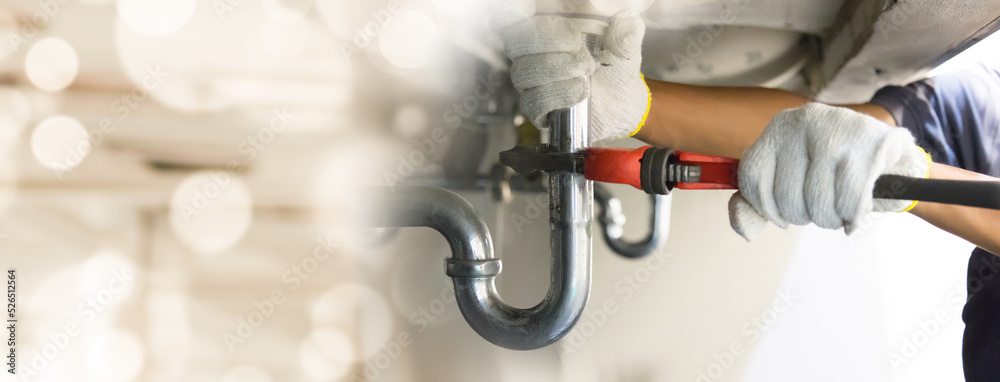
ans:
(542, 158)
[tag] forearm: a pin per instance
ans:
(977, 225)
(720, 121)
(724, 121)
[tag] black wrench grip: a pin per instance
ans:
(971, 193)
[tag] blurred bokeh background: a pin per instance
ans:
(181, 200)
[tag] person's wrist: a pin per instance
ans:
(649, 105)
(651, 130)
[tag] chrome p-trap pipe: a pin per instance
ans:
(473, 266)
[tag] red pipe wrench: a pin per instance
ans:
(655, 170)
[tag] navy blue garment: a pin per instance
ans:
(956, 118)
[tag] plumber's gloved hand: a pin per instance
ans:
(818, 164)
(551, 64)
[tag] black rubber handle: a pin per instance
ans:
(960, 192)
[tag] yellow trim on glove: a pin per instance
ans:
(649, 105)
(929, 161)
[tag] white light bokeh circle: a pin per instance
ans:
(60, 142)
(286, 11)
(156, 17)
(210, 211)
(246, 373)
(114, 356)
(355, 308)
(326, 354)
(409, 40)
(51, 64)
(108, 273)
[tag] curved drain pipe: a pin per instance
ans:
(473, 266)
(612, 222)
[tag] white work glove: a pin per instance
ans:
(818, 164)
(551, 65)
